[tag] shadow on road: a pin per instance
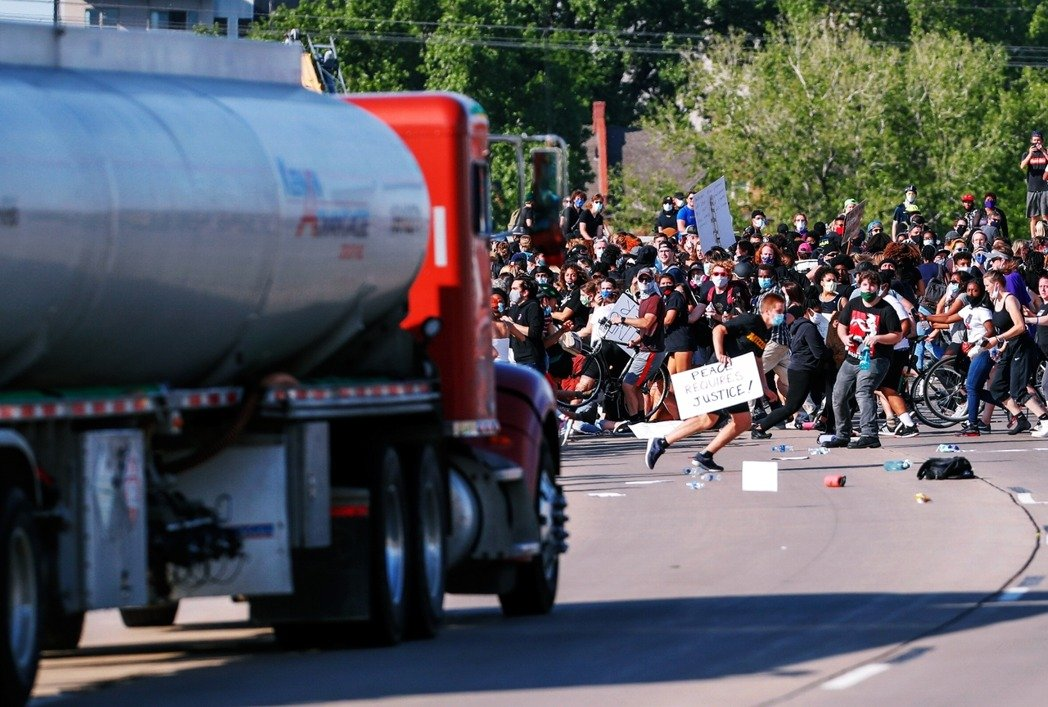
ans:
(655, 641)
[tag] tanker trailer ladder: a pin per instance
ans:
(328, 67)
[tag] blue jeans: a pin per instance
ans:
(978, 372)
(855, 382)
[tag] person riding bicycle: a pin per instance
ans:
(649, 342)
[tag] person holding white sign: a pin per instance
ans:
(649, 342)
(746, 333)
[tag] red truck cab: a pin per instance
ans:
(448, 135)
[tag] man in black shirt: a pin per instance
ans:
(867, 323)
(1035, 161)
(526, 322)
(746, 333)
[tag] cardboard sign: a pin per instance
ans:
(853, 223)
(625, 306)
(713, 216)
(717, 386)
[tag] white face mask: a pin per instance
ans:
(514, 296)
(759, 222)
(597, 206)
(667, 207)
(720, 281)
(963, 268)
(829, 286)
(598, 252)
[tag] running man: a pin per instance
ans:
(746, 333)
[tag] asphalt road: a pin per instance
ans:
(669, 595)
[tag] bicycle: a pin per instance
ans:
(607, 386)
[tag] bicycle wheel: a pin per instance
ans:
(656, 389)
(570, 401)
(944, 394)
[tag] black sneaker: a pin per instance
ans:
(1021, 425)
(904, 431)
(836, 442)
(758, 433)
(891, 427)
(969, 431)
(704, 460)
(656, 446)
(983, 427)
(864, 442)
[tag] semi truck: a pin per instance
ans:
(245, 351)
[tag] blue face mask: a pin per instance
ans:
(767, 259)
(578, 203)
(547, 311)
(778, 320)
(764, 282)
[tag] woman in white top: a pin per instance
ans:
(972, 310)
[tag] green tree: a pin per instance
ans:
(815, 115)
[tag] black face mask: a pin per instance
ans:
(667, 291)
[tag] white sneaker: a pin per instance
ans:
(1041, 430)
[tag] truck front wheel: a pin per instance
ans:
(20, 598)
(535, 588)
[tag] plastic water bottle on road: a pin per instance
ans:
(782, 448)
(897, 465)
(816, 451)
(948, 448)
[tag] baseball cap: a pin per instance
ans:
(804, 248)
(519, 258)
(679, 195)
(668, 231)
(850, 202)
(874, 223)
(968, 198)
(646, 271)
(910, 187)
(995, 255)
(755, 213)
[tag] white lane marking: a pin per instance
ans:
(645, 483)
(854, 677)
(606, 494)
(1027, 498)
(1013, 594)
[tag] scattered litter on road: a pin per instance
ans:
(921, 498)
(780, 448)
(605, 494)
(897, 465)
(789, 459)
(696, 485)
(646, 482)
(816, 451)
(835, 480)
(948, 448)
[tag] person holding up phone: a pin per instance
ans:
(1034, 161)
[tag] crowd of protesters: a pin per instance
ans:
(837, 319)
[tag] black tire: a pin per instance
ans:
(944, 394)
(427, 553)
(62, 631)
(146, 616)
(535, 587)
(660, 382)
(591, 395)
(21, 598)
(389, 552)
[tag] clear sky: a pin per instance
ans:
(26, 10)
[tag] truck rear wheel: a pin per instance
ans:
(389, 551)
(21, 598)
(427, 547)
(144, 616)
(535, 588)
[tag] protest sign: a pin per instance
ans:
(625, 306)
(717, 386)
(713, 216)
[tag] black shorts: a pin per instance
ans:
(893, 377)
